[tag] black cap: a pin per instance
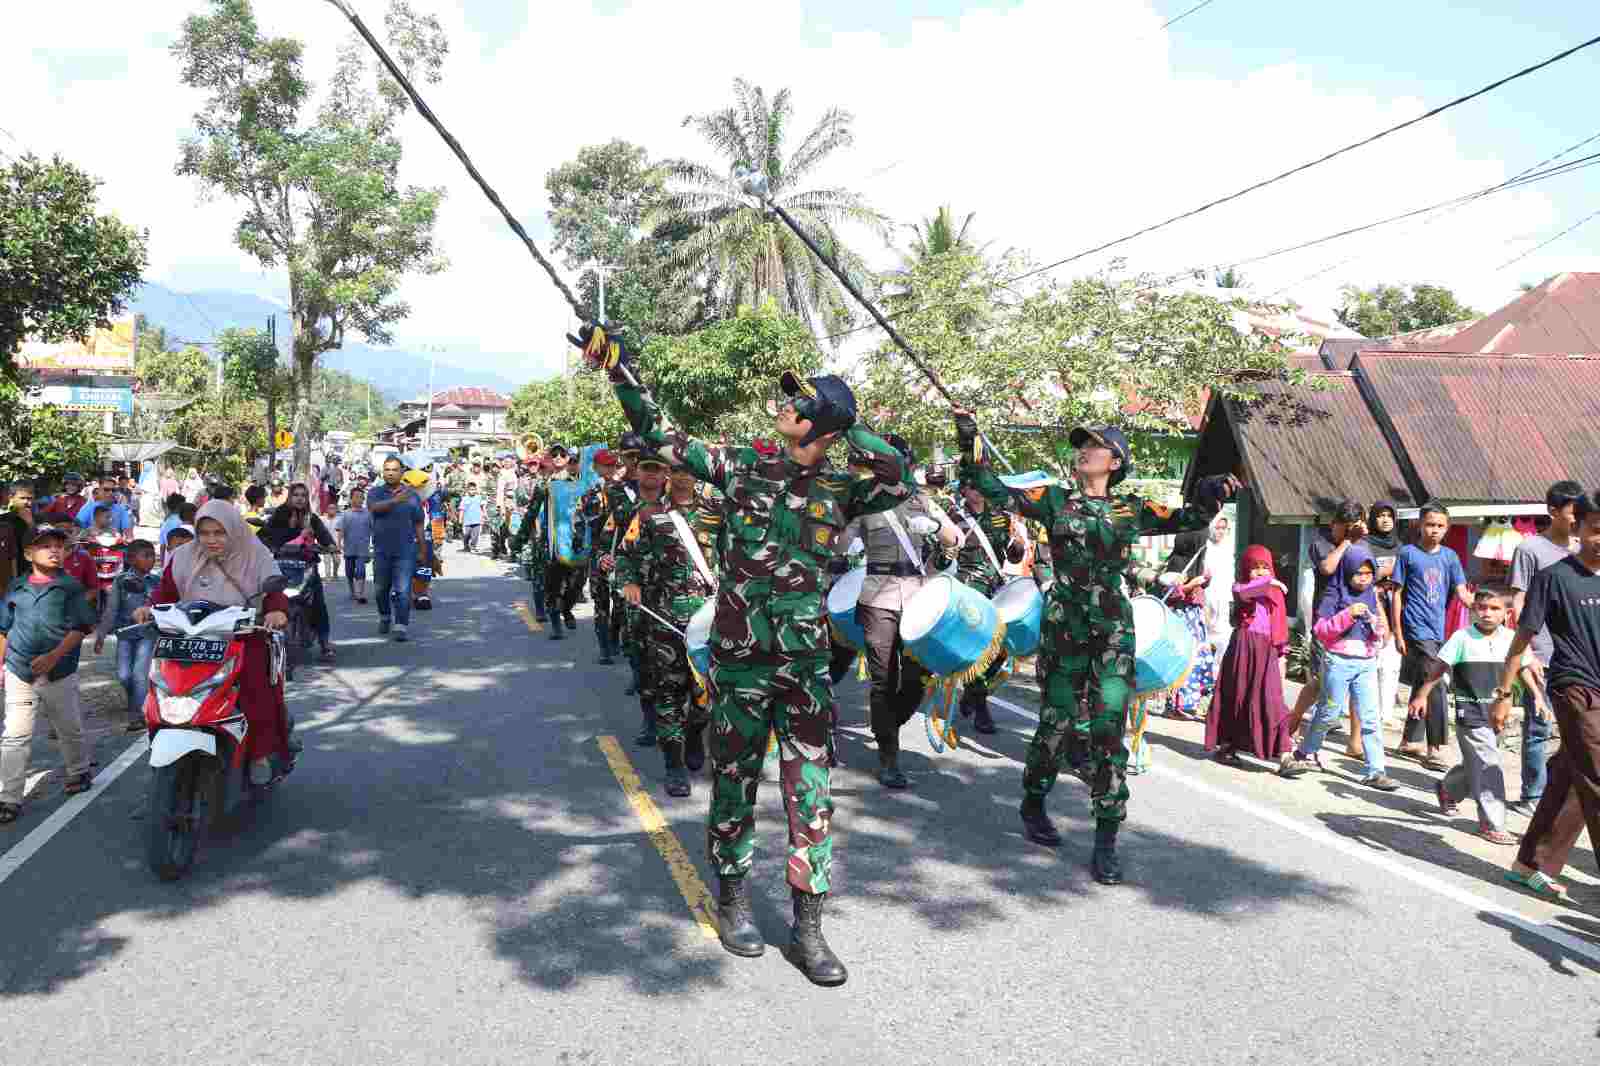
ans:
(1107, 437)
(44, 531)
(826, 402)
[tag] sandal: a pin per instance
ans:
(9, 812)
(1538, 884)
(1430, 763)
(1496, 836)
(1446, 804)
(75, 785)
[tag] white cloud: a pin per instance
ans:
(1061, 125)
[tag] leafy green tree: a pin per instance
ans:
(735, 244)
(1385, 310)
(320, 195)
(938, 235)
(253, 371)
(182, 373)
(574, 411)
(717, 381)
(65, 268)
(44, 443)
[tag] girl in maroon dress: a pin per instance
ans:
(1248, 713)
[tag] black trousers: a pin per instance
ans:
(561, 586)
(1420, 654)
(897, 680)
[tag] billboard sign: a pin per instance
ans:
(108, 351)
(76, 398)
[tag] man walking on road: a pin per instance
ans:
(397, 533)
(471, 518)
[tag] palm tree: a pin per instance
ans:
(938, 235)
(745, 250)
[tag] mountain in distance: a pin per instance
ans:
(398, 374)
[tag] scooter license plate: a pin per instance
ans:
(191, 649)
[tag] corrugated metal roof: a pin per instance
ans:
(1305, 450)
(1560, 317)
(1491, 429)
(464, 396)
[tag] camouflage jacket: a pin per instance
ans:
(973, 564)
(781, 523)
(653, 556)
(1091, 548)
(607, 509)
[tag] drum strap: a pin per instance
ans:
(988, 549)
(905, 541)
(692, 546)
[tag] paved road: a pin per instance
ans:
(454, 875)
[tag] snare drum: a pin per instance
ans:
(952, 630)
(842, 609)
(697, 636)
(1021, 608)
(1164, 648)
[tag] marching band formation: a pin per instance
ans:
(741, 583)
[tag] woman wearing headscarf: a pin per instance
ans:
(226, 565)
(193, 486)
(293, 521)
(1383, 538)
(1248, 713)
(1196, 561)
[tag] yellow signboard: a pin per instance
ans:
(285, 439)
(108, 351)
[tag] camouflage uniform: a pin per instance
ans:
(1086, 655)
(606, 510)
(653, 557)
(769, 647)
(530, 549)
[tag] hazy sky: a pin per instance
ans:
(1061, 123)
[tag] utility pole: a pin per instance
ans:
(427, 425)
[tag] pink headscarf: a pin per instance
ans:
(231, 579)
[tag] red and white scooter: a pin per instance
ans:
(198, 731)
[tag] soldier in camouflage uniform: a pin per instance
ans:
(648, 487)
(530, 549)
(769, 646)
(1086, 657)
(595, 510)
(985, 542)
(669, 562)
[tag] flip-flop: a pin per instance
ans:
(1538, 884)
(1497, 836)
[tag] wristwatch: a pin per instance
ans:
(1502, 694)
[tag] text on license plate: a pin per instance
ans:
(191, 650)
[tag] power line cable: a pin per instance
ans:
(1542, 244)
(1186, 14)
(1457, 102)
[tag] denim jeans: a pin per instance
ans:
(133, 670)
(391, 574)
(1349, 678)
(1535, 749)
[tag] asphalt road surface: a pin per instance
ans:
(456, 874)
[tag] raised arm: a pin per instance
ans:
(1038, 504)
(706, 463)
(891, 482)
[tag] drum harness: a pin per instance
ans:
(686, 537)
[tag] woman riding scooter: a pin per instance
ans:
(292, 520)
(227, 566)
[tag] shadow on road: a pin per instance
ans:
(464, 767)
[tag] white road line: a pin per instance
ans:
(1394, 867)
(29, 845)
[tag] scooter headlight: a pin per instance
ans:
(179, 710)
(292, 593)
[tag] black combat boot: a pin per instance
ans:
(807, 948)
(694, 747)
(736, 928)
(1036, 825)
(1107, 867)
(647, 734)
(677, 776)
(982, 720)
(555, 625)
(889, 772)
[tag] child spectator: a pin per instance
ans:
(1474, 658)
(471, 517)
(1351, 629)
(127, 593)
(179, 536)
(1426, 574)
(353, 528)
(1346, 528)
(1383, 541)
(80, 566)
(43, 620)
(105, 548)
(1247, 713)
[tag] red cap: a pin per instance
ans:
(603, 457)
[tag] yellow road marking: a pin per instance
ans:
(701, 904)
(533, 624)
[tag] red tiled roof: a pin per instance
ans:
(471, 396)
(1560, 317)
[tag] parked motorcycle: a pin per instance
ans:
(297, 572)
(198, 731)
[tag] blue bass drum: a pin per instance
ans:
(952, 630)
(842, 609)
(1021, 608)
(1164, 649)
(698, 637)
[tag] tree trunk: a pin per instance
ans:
(305, 366)
(272, 432)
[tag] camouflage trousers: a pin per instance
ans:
(670, 688)
(788, 695)
(1087, 687)
(600, 594)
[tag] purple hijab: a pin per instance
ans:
(1339, 595)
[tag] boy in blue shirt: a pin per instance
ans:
(129, 591)
(1426, 575)
(471, 517)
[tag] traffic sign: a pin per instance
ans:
(284, 439)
